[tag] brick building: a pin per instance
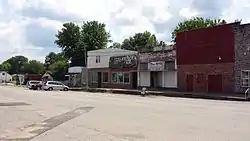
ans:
(215, 59)
(205, 59)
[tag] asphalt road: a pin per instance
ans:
(78, 116)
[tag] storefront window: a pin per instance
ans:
(245, 77)
(114, 77)
(94, 77)
(105, 77)
(126, 77)
(120, 77)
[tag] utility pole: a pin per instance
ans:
(138, 68)
(86, 67)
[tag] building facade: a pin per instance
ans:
(123, 70)
(99, 68)
(214, 59)
(242, 57)
(157, 69)
(205, 59)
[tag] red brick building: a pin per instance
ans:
(205, 59)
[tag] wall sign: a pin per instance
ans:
(128, 61)
(167, 55)
(156, 66)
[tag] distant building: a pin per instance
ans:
(77, 76)
(5, 77)
(18, 79)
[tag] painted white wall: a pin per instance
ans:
(5, 78)
(105, 55)
(144, 79)
(170, 79)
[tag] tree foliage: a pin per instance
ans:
(196, 23)
(53, 57)
(33, 67)
(6, 66)
(16, 64)
(115, 45)
(68, 38)
(59, 69)
(140, 41)
(75, 41)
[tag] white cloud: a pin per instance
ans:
(28, 26)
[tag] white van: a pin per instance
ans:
(55, 85)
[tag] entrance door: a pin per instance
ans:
(190, 83)
(99, 79)
(134, 80)
(215, 83)
(152, 79)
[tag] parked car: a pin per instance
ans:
(55, 85)
(34, 84)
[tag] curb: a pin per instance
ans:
(172, 94)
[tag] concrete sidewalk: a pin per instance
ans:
(169, 93)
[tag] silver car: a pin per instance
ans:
(55, 85)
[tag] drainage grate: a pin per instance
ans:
(14, 104)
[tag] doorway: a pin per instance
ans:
(215, 83)
(154, 79)
(134, 80)
(99, 75)
(190, 83)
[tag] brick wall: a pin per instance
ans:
(224, 69)
(242, 53)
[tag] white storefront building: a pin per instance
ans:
(157, 69)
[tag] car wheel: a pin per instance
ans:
(65, 89)
(50, 89)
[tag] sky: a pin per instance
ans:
(28, 27)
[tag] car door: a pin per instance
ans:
(60, 85)
(53, 85)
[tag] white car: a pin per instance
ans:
(32, 84)
(55, 85)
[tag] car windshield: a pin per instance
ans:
(34, 82)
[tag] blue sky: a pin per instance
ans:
(28, 27)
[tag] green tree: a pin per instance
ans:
(195, 23)
(68, 39)
(59, 69)
(76, 41)
(6, 66)
(16, 63)
(33, 67)
(53, 57)
(115, 45)
(140, 41)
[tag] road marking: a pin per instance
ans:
(14, 104)
(31, 131)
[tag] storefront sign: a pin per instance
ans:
(128, 61)
(168, 55)
(156, 66)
